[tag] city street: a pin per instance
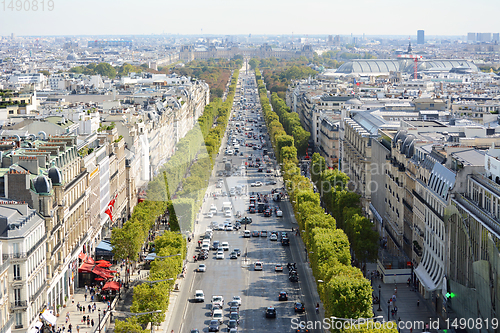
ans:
(237, 277)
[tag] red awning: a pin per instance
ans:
(111, 285)
(104, 265)
(102, 262)
(85, 268)
(90, 260)
(82, 256)
(102, 272)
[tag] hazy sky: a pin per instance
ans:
(136, 17)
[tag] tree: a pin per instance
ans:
(130, 325)
(150, 297)
(105, 69)
(254, 63)
(172, 219)
(348, 297)
(44, 72)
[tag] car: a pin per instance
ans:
(278, 268)
(246, 234)
(220, 227)
(233, 255)
(217, 301)
(258, 183)
(299, 307)
(219, 185)
(199, 296)
(234, 308)
(234, 316)
(215, 245)
(279, 212)
(219, 255)
(227, 213)
(210, 215)
(225, 246)
(237, 299)
(201, 268)
(267, 213)
(232, 324)
(273, 237)
(194, 330)
(270, 312)
(255, 233)
(253, 184)
(252, 210)
(213, 326)
(237, 226)
(228, 227)
(238, 252)
(258, 266)
(283, 296)
(263, 233)
(218, 314)
(285, 241)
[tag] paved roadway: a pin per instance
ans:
(258, 289)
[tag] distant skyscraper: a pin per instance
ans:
(420, 37)
(471, 37)
(496, 37)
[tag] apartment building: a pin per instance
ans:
(23, 237)
(6, 319)
(474, 238)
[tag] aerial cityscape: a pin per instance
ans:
(163, 166)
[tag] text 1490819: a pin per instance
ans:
(27, 5)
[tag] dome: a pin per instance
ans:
(42, 185)
(55, 176)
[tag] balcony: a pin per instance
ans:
(18, 304)
(5, 265)
(38, 292)
(7, 325)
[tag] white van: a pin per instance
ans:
(199, 296)
(218, 315)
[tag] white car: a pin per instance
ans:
(257, 183)
(253, 184)
(225, 246)
(220, 254)
(210, 215)
(279, 212)
(218, 301)
(258, 266)
(273, 237)
(227, 213)
(201, 268)
(229, 227)
(237, 299)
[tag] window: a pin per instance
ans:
(17, 296)
(17, 271)
(19, 320)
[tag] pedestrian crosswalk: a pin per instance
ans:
(239, 261)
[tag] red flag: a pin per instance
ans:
(110, 208)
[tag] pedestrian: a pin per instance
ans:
(88, 321)
(90, 308)
(396, 310)
(418, 302)
(92, 322)
(70, 327)
(78, 328)
(85, 297)
(84, 319)
(86, 288)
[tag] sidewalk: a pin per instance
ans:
(406, 303)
